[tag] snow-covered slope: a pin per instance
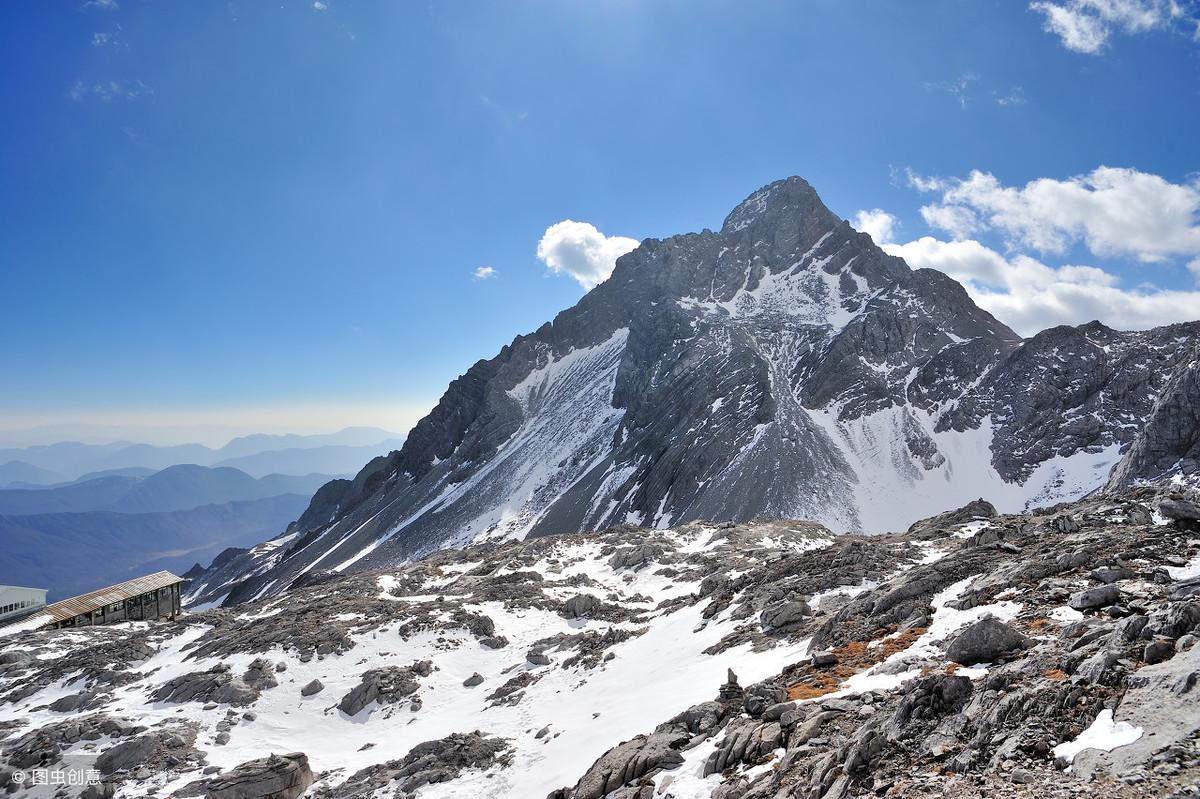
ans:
(706, 661)
(782, 367)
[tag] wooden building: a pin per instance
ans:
(155, 596)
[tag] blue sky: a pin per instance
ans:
(272, 216)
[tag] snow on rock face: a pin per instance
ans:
(638, 654)
(1103, 734)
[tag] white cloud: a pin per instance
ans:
(106, 5)
(876, 223)
(1085, 26)
(1030, 296)
(964, 260)
(581, 251)
(1113, 211)
(484, 272)
(319, 6)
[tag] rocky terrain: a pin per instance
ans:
(1050, 653)
(786, 343)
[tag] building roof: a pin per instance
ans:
(86, 603)
(21, 588)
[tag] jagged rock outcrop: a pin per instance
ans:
(215, 685)
(274, 777)
(386, 686)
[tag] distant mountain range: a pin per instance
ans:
(172, 489)
(72, 553)
(76, 517)
(258, 455)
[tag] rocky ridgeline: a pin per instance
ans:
(975, 654)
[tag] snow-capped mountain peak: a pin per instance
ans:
(781, 367)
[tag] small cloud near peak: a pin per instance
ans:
(580, 250)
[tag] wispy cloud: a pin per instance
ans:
(484, 273)
(107, 91)
(1015, 96)
(108, 38)
(103, 5)
(319, 6)
(508, 116)
(959, 88)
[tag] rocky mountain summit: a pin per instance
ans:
(1050, 653)
(786, 343)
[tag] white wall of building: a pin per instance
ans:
(16, 601)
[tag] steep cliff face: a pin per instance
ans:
(782, 367)
(1168, 443)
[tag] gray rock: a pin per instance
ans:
(473, 680)
(127, 755)
(1098, 597)
(784, 616)
(1109, 576)
(387, 686)
(824, 659)
(580, 606)
(635, 557)
(1158, 651)
(275, 777)
(313, 687)
(1180, 509)
(983, 642)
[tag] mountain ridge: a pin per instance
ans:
(786, 344)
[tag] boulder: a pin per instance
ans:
(1109, 576)
(783, 616)
(473, 680)
(387, 685)
(1180, 509)
(635, 557)
(1099, 597)
(1158, 651)
(983, 642)
(126, 755)
(580, 606)
(275, 777)
(824, 659)
(314, 687)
